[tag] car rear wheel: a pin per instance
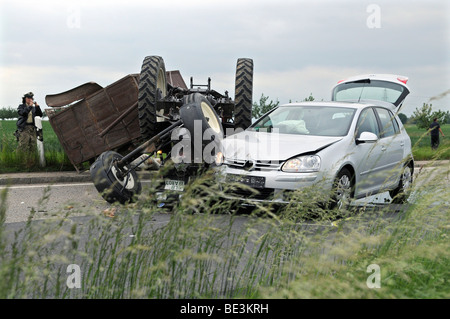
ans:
(152, 87)
(109, 182)
(401, 193)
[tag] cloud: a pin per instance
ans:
(43, 80)
(298, 47)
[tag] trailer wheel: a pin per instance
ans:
(152, 87)
(109, 184)
(243, 93)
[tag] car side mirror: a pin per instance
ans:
(367, 137)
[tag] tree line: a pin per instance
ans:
(7, 113)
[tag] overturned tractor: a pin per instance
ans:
(132, 119)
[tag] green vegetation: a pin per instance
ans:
(421, 143)
(263, 107)
(55, 157)
(8, 113)
(424, 116)
(203, 248)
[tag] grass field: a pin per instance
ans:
(55, 156)
(421, 143)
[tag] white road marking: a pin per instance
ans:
(45, 185)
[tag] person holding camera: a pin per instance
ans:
(27, 111)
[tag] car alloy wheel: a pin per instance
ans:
(343, 190)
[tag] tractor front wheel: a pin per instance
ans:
(113, 184)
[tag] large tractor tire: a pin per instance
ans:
(152, 87)
(243, 93)
(198, 115)
(107, 182)
(197, 108)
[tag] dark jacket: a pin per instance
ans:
(434, 128)
(23, 111)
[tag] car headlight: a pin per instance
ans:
(302, 164)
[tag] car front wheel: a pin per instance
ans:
(343, 190)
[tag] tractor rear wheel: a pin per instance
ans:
(152, 87)
(243, 93)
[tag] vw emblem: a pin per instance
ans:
(249, 165)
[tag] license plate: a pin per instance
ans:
(252, 181)
(174, 185)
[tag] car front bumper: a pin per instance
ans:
(271, 186)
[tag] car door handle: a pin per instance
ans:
(402, 144)
(383, 148)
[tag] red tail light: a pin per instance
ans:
(403, 80)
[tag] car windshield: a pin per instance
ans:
(368, 90)
(307, 120)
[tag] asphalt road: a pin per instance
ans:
(47, 200)
(81, 197)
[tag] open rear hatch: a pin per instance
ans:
(386, 88)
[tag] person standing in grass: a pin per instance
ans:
(434, 130)
(28, 110)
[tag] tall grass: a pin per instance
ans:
(206, 248)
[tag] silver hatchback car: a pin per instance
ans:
(351, 147)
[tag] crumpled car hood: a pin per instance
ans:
(272, 146)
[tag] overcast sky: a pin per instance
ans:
(298, 47)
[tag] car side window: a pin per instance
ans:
(367, 122)
(387, 124)
(396, 126)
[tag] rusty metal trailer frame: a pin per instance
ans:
(99, 119)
